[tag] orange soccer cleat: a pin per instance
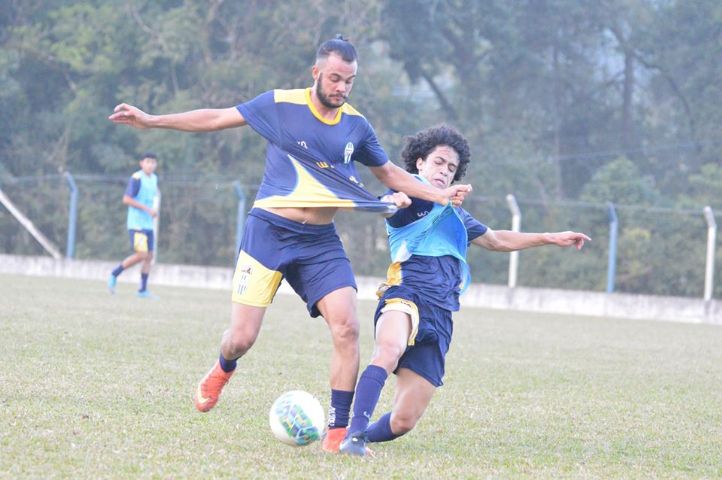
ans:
(332, 440)
(210, 387)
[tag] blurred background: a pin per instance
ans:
(585, 111)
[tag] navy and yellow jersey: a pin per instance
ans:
(310, 160)
(143, 188)
(436, 276)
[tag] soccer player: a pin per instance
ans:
(413, 320)
(314, 137)
(139, 196)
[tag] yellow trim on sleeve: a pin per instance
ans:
(297, 96)
(349, 110)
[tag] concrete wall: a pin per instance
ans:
(572, 302)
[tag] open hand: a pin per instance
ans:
(130, 115)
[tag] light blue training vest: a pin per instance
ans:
(440, 232)
(137, 218)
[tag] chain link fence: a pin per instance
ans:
(659, 251)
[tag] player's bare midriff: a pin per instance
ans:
(311, 216)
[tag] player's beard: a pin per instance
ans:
(323, 98)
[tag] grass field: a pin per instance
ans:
(99, 386)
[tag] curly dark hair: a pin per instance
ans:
(422, 143)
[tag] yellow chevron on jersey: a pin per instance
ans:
(302, 96)
(309, 192)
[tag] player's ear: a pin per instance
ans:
(419, 163)
(315, 71)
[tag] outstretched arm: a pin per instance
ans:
(396, 178)
(204, 120)
(508, 241)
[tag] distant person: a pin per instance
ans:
(139, 195)
(314, 137)
(413, 320)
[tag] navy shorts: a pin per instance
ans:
(141, 241)
(310, 257)
(427, 355)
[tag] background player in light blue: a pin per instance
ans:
(140, 195)
(314, 140)
(413, 320)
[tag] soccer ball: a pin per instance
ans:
(297, 418)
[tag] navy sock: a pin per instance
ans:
(368, 391)
(143, 282)
(380, 431)
(340, 408)
(118, 270)
(226, 365)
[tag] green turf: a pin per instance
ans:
(99, 386)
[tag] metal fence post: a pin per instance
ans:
(613, 233)
(515, 227)
(241, 215)
(156, 227)
(72, 215)
(709, 264)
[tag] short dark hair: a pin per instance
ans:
(422, 143)
(149, 155)
(339, 45)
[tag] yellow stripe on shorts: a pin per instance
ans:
(140, 242)
(408, 307)
(254, 284)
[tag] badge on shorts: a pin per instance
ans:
(140, 242)
(245, 272)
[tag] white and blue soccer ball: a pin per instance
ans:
(297, 418)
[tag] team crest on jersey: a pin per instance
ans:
(347, 152)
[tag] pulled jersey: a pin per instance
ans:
(310, 160)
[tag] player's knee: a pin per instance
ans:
(238, 343)
(403, 422)
(388, 354)
(345, 329)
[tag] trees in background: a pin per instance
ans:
(563, 101)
